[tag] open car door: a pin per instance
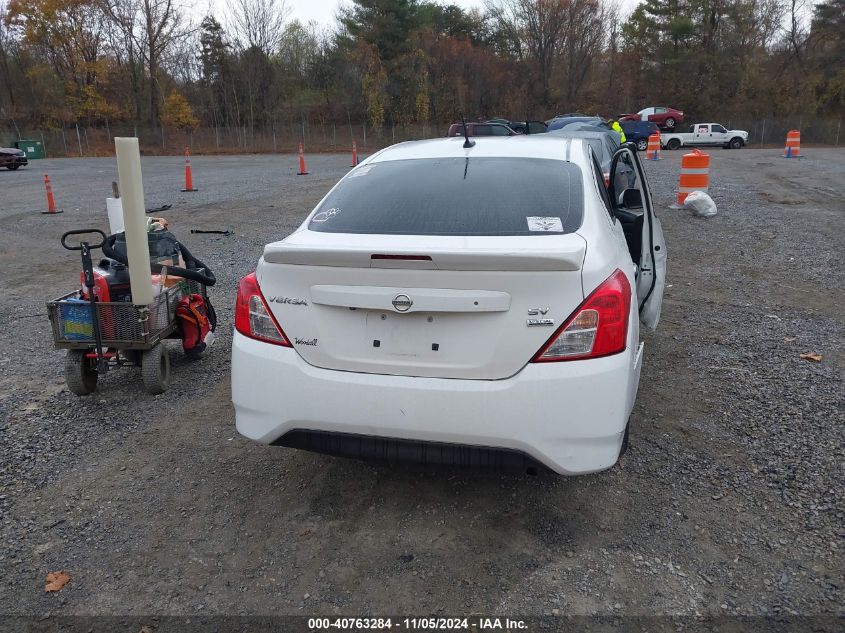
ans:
(633, 207)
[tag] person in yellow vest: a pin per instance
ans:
(614, 125)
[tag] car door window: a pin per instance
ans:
(481, 130)
(659, 110)
(719, 129)
(499, 130)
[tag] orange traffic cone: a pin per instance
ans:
(51, 202)
(302, 170)
(189, 176)
(354, 154)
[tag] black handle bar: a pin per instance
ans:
(83, 232)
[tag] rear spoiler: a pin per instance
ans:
(566, 256)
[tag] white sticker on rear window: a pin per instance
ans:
(536, 223)
(324, 216)
(361, 171)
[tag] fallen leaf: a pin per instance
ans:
(817, 358)
(56, 580)
(788, 339)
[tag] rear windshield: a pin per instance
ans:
(456, 196)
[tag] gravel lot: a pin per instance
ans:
(730, 500)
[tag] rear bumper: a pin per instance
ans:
(569, 416)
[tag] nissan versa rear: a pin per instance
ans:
(465, 305)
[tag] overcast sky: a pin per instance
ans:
(323, 11)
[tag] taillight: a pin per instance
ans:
(598, 327)
(606, 180)
(252, 316)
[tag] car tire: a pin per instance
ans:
(642, 145)
(673, 143)
(669, 123)
(80, 373)
(12, 167)
(155, 369)
(736, 143)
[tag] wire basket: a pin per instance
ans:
(122, 325)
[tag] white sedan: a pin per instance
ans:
(464, 303)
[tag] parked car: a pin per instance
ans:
(704, 134)
(594, 127)
(520, 127)
(556, 124)
(566, 116)
(665, 117)
(12, 158)
(429, 309)
(481, 129)
(637, 132)
(604, 144)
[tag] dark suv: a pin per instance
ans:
(481, 129)
(638, 132)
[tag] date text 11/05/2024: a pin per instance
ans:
(418, 624)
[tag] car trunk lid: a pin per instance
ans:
(474, 307)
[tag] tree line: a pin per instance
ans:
(402, 62)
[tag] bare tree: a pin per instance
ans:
(149, 28)
(259, 24)
(551, 34)
(796, 33)
(5, 70)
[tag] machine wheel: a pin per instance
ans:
(155, 369)
(673, 144)
(80, 375)
(12, 167)
(670, 123)
(642, 145)
(736, 143)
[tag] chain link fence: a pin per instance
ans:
(772, 131)
(80, 140)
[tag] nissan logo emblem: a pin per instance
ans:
(402, 303)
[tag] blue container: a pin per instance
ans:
(76, 319)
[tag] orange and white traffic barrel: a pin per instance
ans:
(793, 144)
(653, 150)
(695, 174)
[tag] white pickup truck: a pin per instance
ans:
(705, 134)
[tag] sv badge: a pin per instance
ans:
(538, 311)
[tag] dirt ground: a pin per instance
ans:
(729, 502)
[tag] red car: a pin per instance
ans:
(665, 117)
(481, 129)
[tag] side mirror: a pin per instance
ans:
(632, 199)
